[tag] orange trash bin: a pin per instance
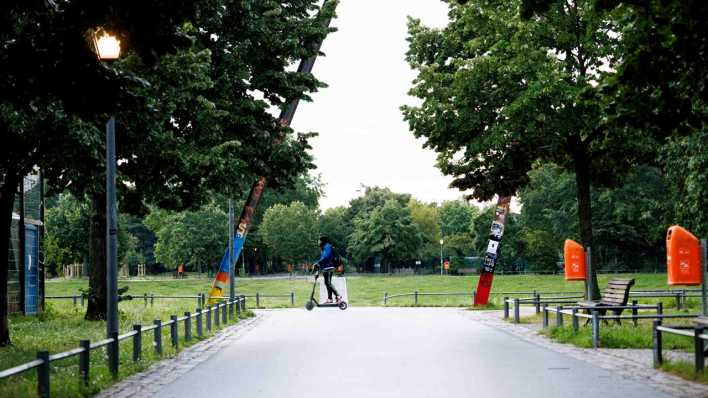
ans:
(683, 257)
(574, 259)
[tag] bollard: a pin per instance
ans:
(506, 307)
(43, 374)
(84, 361)
(188, 326)
(385, 298)
(537, 297)
(575, 322)
(258, 300)
(199, 322)
(595, 329)
(158, 336)
(113, 358)
(74, 299)
(216, 318)
(224, 320)
(416, 297)
(516, 311)
(559, 316)
(699, 348)
(173, 330)
(292, 298)
(545, 315)
(137, 342)
(635, 311)
(243, 299)
(656, 340)
(231, 310)
(145, 297)
(208, 318)
(238, 307)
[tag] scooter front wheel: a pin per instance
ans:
(343, 305)
(309, 305)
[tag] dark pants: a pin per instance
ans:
(328, 285)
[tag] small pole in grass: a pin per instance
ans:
(137, 342)
(635, 312)
(656, 339)
(43, 374)
(199, 322)
(158, 336)
(84, 361)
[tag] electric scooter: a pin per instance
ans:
(312, 303)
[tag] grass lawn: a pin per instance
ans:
(62, 326)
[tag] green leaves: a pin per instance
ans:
(291, 232)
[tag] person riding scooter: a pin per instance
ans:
(326, 266)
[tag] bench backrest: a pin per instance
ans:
(617, 292)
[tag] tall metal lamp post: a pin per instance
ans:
(441, 256)
(108, 49)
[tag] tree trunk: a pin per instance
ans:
(96, 309)
(7, 200)
(582, 179)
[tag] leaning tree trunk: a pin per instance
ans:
(582, 179)
(96, 309)
(7, 200)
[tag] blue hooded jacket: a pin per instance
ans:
(326, 261)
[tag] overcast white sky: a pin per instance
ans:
(363, 138)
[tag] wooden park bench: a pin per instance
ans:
(616, 294)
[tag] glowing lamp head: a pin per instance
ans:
(107, 47)
(441, 242)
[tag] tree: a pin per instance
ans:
(427, 218)
(67, 231)
(456, 217)
(334, 225)
(501, 93)
(291, 232)
(194, 238)
(388, 233)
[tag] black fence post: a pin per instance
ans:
(678, 300)
(188, 326)
(217, 318)
(292, 298)
(635, 311)
(199, 322)
(258, 300)
(152, 300)
(517, 316)
(545, 315)
(385, 298)
(74, 300)
(158, 336)
(656, 339)
(113, 358)
(43, 374)
(137, 342)
(416, 298)
(238, 307)
(575, 322)
(699, 348)
(537, 297)
(559, 316)
(173, 330)
(208, 317)
(660, 308)
(506, 307)
(84, 361)
(243, 300)
(595, 329)
(82, 301)
(231, 310)
(474, 296)
(224, 320)
(145, 298)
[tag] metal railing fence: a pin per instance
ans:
(214, 314)
(150, 298)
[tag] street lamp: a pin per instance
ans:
(441, 256)
(108, 48)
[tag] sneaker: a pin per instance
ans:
(329, 301)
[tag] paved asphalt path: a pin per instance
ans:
(391, 352)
